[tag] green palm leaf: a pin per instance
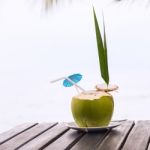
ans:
(102, 50)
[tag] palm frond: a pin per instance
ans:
(102, 50)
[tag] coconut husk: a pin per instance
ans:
(106, 88)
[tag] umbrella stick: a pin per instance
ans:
(75, 84)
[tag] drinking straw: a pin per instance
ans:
(62, 78)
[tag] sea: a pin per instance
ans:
(40, 43)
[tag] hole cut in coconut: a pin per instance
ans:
(91, 95)
(106, 88)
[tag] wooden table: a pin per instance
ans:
(56, 136)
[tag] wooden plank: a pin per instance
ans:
(115, 139)
(139, 136)
(46, 138)
(66, 141)
(26, 136)
(5, 136)
(89, 141)
(148, 147)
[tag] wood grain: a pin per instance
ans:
(115, 139)
(46, 138)
(52, 136)
(89, 141)
(26, 136)
(148, 147)
(138, 138)
(65, 141)
(15, 131)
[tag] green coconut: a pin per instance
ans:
(92, 108)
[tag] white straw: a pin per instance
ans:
(77, 89)
(74, 84)
(69, 81)
(53, 81)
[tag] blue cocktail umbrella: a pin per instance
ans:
(75, 78)
(71, 80)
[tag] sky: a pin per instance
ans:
(37, 47)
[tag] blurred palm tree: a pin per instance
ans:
(49, 3)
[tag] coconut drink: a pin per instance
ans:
(95, 108)
(92, 108)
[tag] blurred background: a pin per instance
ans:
(44, 40)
